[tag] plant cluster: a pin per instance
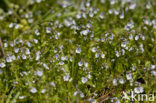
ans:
(84, 51)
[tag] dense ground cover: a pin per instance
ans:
(83, 51)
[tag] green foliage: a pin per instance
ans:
(83, 51)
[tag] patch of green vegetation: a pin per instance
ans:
(83, 51)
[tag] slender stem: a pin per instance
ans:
(1, 46)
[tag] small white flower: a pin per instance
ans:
(101, 15)
(35, 41)
(71, 59)
(116, 12)
(136, 37)
(61, 63)
(122, 16)
(70, 79)
(92, 35)
(39, 73)
(143, 37)
(25, 73)
(20, 41)
(133, 68)
(153, 66)
(27, 51)
(118, 101)
(80, 63)
(91, 100)
(153, 73)
(5, 45)
(123, 51)
(123, 44)
(38, 1)
(136, 90)
(11, 25)
(24, 57)
(2, 65)
(139, 90)
(37, 32)
(114, 82)
(132, 6)
(89, 76)
(75, 93)
(82, 95)
(63, 58)
(67, 23)
(117, 53)
(89, 25)
(33, 90)
(121, 81)
(8, 59)
(129, 76)
(66, 78)
(96, 55)
(46, 66)
(91, 14)
(94, 49)
(48, 30)
(52, 84)
(78, 50)
(148, 5)
(16, 26)
(84, 80)
(102, 55)
(78, 16)
(84, 32)
(13, 57)
(86, 64)
(29, 44)
(87, 4)
(37, 55)
(43, 90)
(102, 1)
(61, 47)
(103, 40)
(130, 36)
(22, 97)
